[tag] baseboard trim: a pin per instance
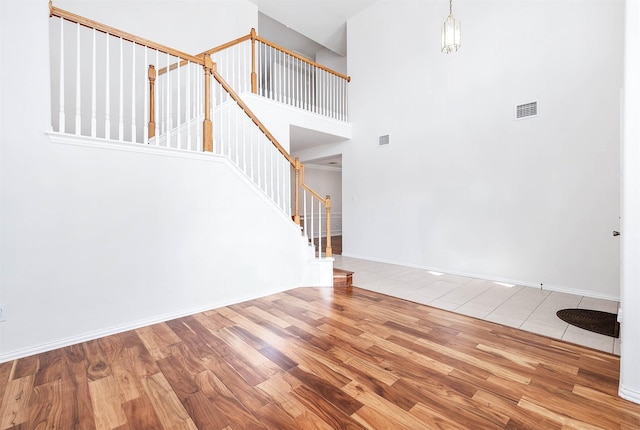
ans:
(629, 394)
(61, 343)
(549, 287)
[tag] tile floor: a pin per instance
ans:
(527, 308)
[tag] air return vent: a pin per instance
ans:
(383, 140)
(527, 110)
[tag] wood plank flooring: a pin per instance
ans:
(317, 358)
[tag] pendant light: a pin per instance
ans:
(450, 33)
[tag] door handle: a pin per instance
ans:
(616, 233)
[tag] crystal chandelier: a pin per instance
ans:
(450, 33)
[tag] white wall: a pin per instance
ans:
(99, 240)
(464, 188)
(630, 287)
(332, 60)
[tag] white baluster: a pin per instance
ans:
(229, 132)
(332, 92)
(178, 113)
(158, 103)
(272, 182)
(296, 80)
(121, 103)
(198, 108)
(61, 116)
(147, 96)
(280, 77)
(345, 97)
(78, 106)
(277, 173)
(134, 130)
(287, 78)
(319, 229)
(305, 224)
(188, 113)
(312, 230)
(93, 84)
(167, 112)
(299, 87)
(274, 73)
(346, 101)
(252, 143)
(107, 92)
(235, 133)
(245, 125)
(307, 86)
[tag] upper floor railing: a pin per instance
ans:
(111, 85)
(252, 63)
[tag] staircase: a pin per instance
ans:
(184, 105)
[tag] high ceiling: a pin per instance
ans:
(306, 27)
(322, 21)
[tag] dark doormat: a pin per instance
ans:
(597, 321)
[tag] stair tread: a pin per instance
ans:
(342, 278)
(337, 271)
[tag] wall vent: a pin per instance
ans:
(383, 140)
(527, 110)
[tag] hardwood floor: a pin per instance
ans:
(336, 244)
(317, 358)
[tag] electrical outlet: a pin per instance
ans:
(3, 313)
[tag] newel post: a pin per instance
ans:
(329, 252)
(152, 101)
(207, 126)
(254, 76)
(296, 192)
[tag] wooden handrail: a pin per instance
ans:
(306, 60)
(253, 37)
(228, 44)
(252, 116)
(314, 194)
(61, 13)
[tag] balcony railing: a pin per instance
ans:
(252, 63)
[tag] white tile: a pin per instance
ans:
(546, 316)
(466, 292)
(598, 305)
(477, 310)
(544, 329)
(557, 300)
(587, 338)
(496, 295)
(443, 304)
(505, 320)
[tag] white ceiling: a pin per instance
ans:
(323, 21)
